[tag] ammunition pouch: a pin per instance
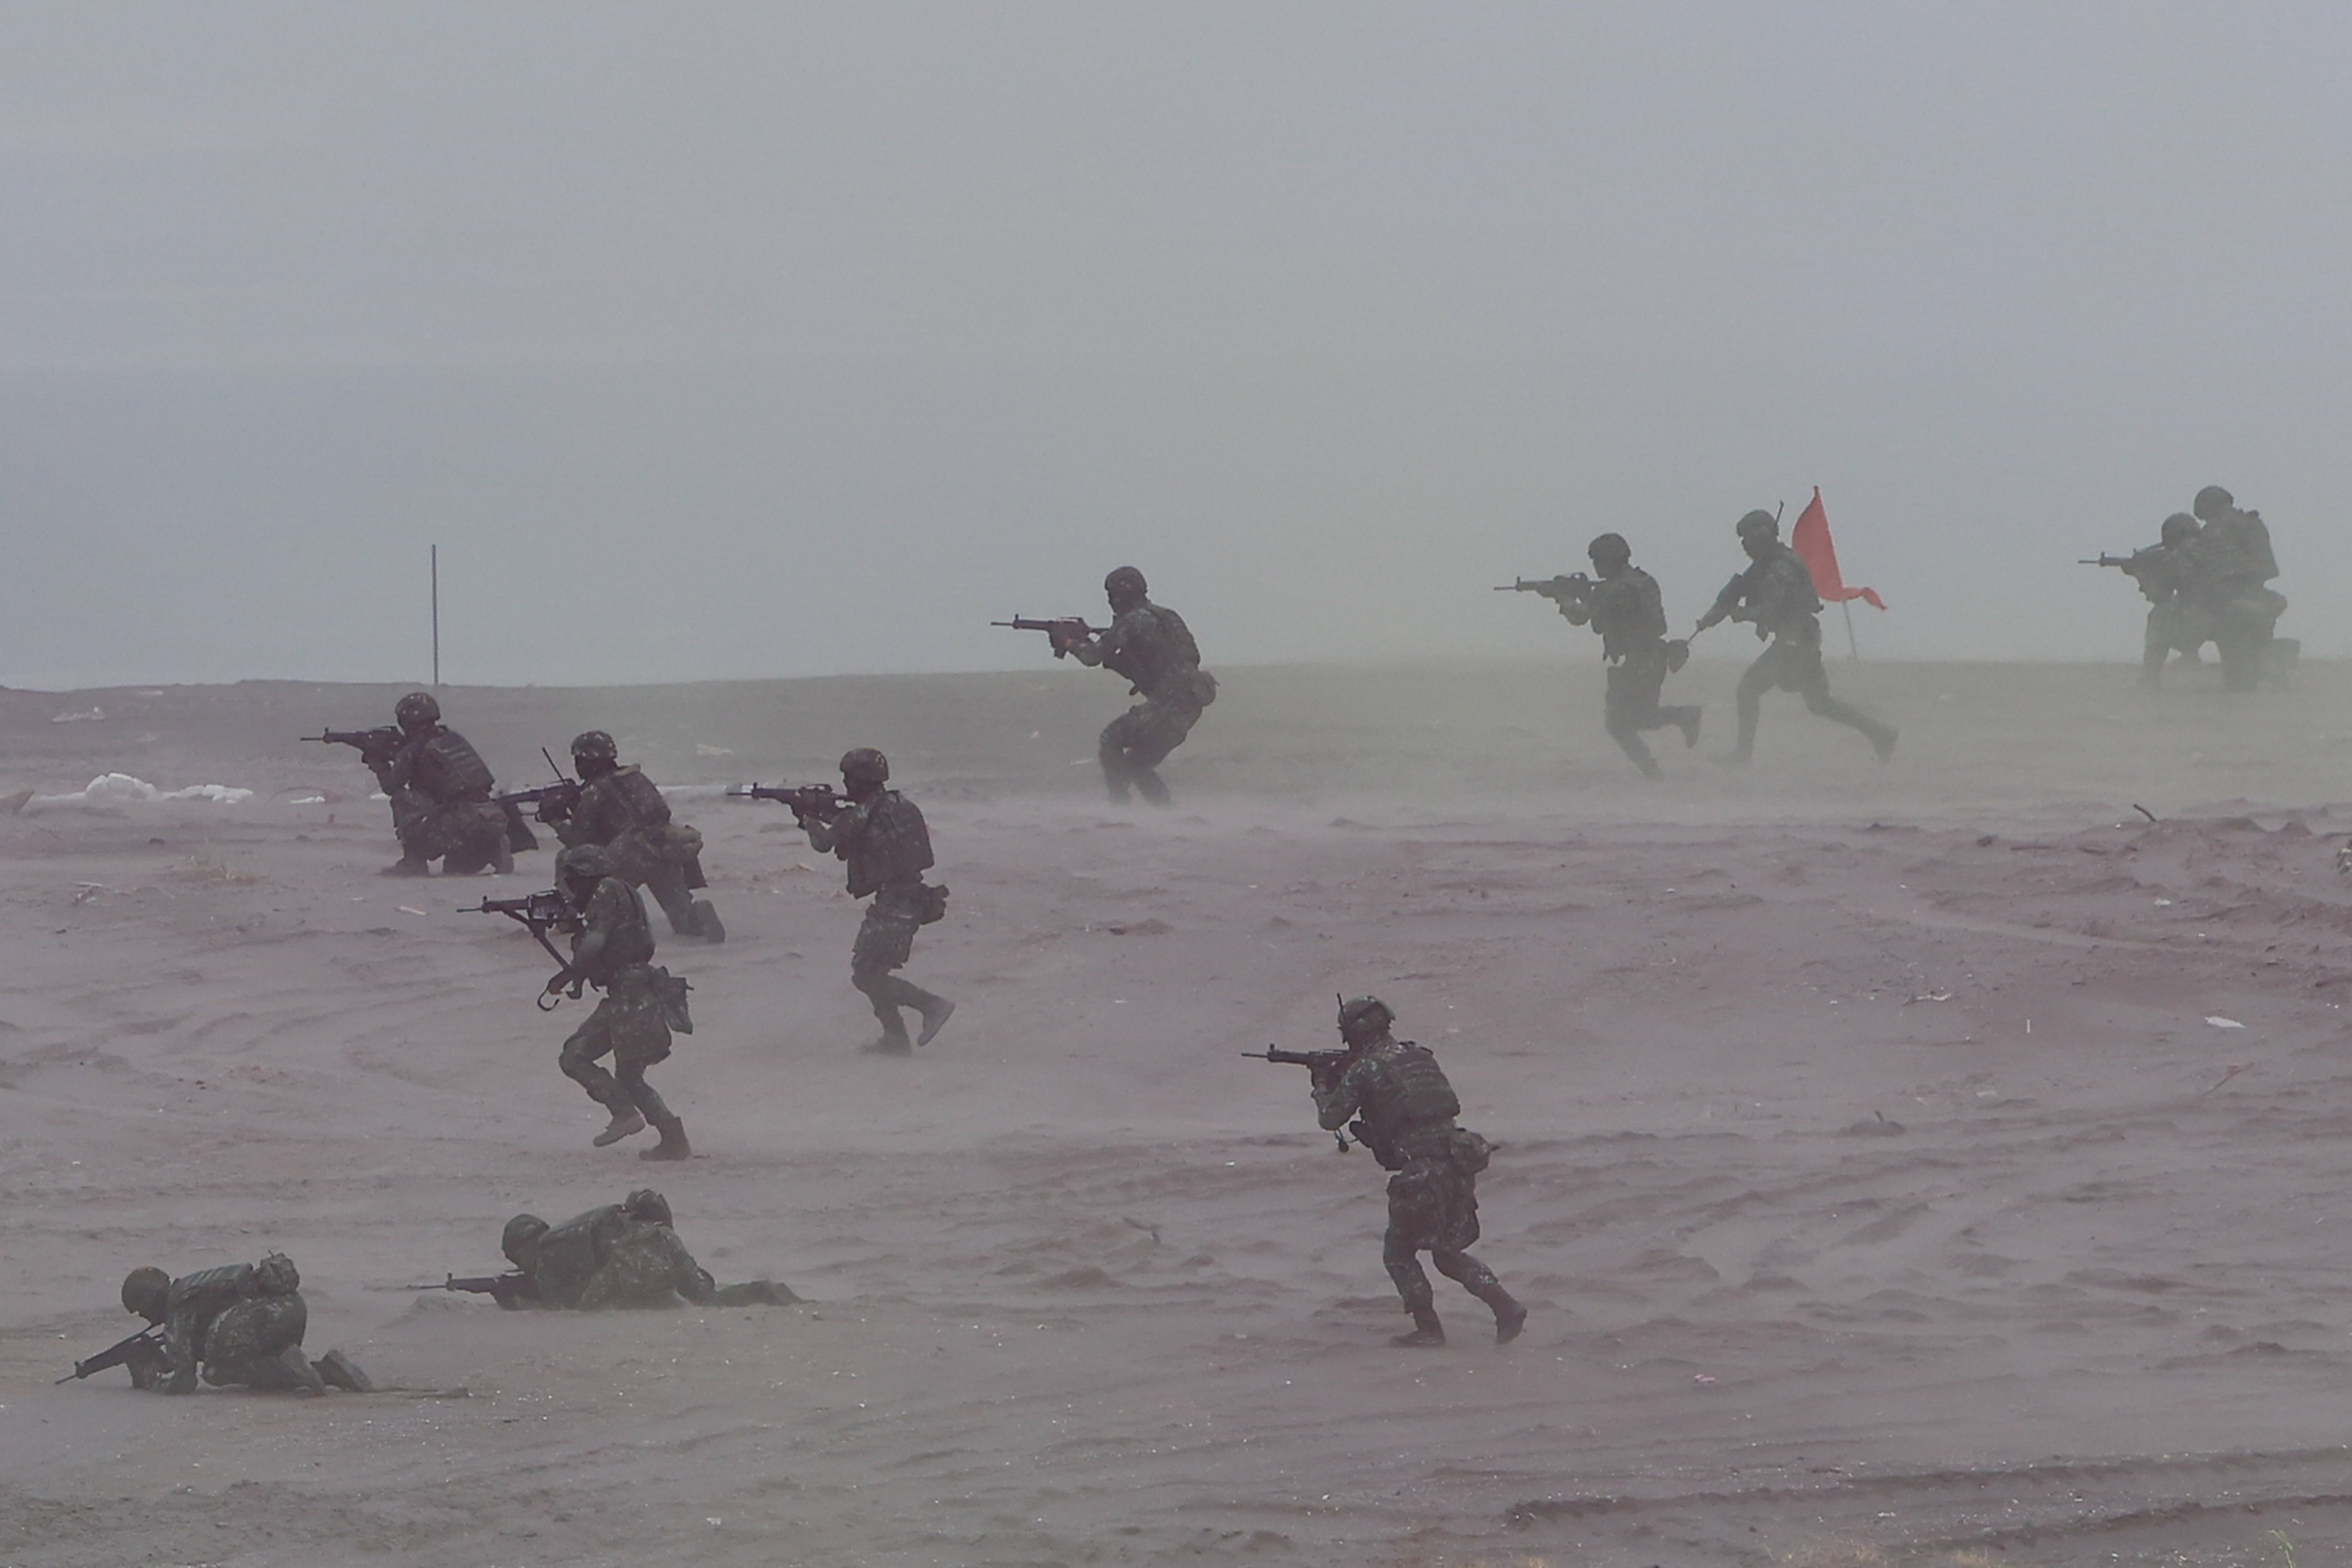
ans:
(669, 992)
(932, 905)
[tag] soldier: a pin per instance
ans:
(2233, 565)
(622, 809)
(1624, 606)
(441, 804)
(1405, 1110)
(239, 1323)
(882, 837)
(1776, 594)
(1150, 644)
(622, 1255)
(614, 951)
(2165, 572)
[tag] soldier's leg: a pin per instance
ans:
(589, 1041)
(1399, 1254)
(886, 939)
(1815, 690)
(2155, 647)
(667, 881)
(651, 1105)
(1161, 730)
(1621, 713)
(1111, 750)
(1760, 677)
(1480, 1281)
(412, 824)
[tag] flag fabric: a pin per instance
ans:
(1812, 540)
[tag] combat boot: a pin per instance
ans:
(1427, 1333)
(408, 865)
(1510, 1317)
(673, 1144)
(502, 860)
(336, 1369)
(627, 1123)
(299, 1373)
(707, 923)
(935, 1010)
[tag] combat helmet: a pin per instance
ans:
(584, 862)
(1609, 548)
(520, 1236)
(647, 1205)
(594, 745)
(864, 764)
(276, 1275)
(1365, 1018)
(1758, 525)
(417, 710)
(2178, 529)
(147, 1291)
(1127, 583)
(2213, 502)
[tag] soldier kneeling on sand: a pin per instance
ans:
(623, 1254)
(239, 1323)
(441, 805)
(623, 809)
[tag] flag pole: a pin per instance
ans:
(436, 617)
(1852, 649)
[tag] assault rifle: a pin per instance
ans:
(1324, 1066)
(2129, 565)
(554, 802)
(541, 913)
(122, 1353)
(1065, 632)
(377, 746)
(807, 800)
(1568, 588)
(512, 1291)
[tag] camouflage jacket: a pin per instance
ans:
(1149, 644)
(1777, 594)
(1626, 609)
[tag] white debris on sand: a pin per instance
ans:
(123, 790)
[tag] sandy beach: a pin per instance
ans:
(1927, 1165)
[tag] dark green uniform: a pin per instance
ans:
(626, 1254)
(631, 1023)
(242, 1323)
(623, 810)
(1776, 594)
(1626, 608)
(887, 846)
(1407, 1109)
(1151, 645)
(441, 804)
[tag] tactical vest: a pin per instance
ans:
(1410, 1093)
(641, 796)
(895, 847)
(1161, 646)
(629, 939)
(449, 770)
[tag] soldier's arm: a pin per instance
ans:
(1724, 602)
(180, 1351)
(1339, 1101)
(848, 826)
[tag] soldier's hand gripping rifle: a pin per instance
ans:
(512, 1292)
(541, 913)
(377, 746)
(1568, 588)
(810, 802)
(1065, 632)
(551, 802)
(1323, 1066)
(147, 1344)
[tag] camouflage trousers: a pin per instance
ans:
(258, 1343)
(468, 833)
(1434, 1208)
(1793, 663)
(1635, 684)
(629, 1027)
(647, 1268)
(1134, 745)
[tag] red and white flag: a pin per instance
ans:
(1812, 540)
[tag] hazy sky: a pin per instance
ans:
(765, 341)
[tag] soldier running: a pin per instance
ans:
(1151, 645)
(881, 836)
(614, 951)
(623, 809)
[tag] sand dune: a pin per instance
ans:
(1882, 1186)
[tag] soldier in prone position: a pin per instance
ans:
(882, 837)
(614, 951)
(239, 1323)
(1623, 605)
(1776, 594)
(1404, 1112)
(623, 1254)
(623, 809)
(1151, 645)
(441, 804)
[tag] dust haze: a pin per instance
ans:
(782, 342)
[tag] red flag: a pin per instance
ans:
(1812, 540)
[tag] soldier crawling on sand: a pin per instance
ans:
(619, 1255)
(241, 1324)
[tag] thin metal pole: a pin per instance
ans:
(436, 618)
(1852, 649)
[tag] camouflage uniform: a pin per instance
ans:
(631, 1023)
(1626, 608)
(2230, 570)
(625, 1255)
(441, 804)
(1151, 645)
(1776, 592)
(243, 1324)
(567, 1256)
(1406, 1110)
(623, 810)
(887, 847)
